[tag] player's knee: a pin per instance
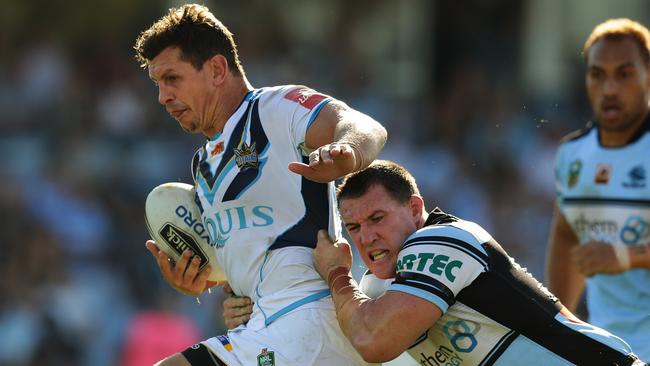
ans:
(176, 359)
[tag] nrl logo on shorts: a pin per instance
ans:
(246, 156)
(266, 358)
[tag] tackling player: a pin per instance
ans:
(457, 297)
(261, 217)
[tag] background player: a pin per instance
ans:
(261, 217)
(601, 222)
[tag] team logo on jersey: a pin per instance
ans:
(217, 149)
(603, 171)
(246, 157)
(574, 172)
(266, 358)
(636, 177)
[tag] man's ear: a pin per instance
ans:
(218, 68)
(416, 203)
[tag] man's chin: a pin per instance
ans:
(191, 128)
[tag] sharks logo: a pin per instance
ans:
(636, 177)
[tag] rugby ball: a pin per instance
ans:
(174, 222)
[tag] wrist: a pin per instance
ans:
(338, 279)
(622, 254)
(640, 256)
(359, 162)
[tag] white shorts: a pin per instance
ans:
(303, 337)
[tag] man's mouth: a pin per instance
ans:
(378, 254)
(611, 111)
(177, 113)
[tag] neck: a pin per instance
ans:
(609, 138)
(227, 103)
(423, 219)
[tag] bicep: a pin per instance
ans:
(321, 130)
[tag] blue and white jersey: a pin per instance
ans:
(262, 218)
(494, 312)
(604, 194)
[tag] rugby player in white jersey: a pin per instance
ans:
(600, 237)
(261, 215)
(456, 297)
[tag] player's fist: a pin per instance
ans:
(329, 255)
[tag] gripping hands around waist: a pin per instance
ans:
(237, 310)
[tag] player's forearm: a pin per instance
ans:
(353, 316)
(562, 278)
(564, 281)
(365, 134)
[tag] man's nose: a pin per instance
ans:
(610, 87)
(164, 95)
(368, 235)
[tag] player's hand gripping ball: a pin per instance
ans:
(174, 223)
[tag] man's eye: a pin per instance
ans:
(352, 228)
(376, 218)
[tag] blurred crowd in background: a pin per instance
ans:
(475, 95)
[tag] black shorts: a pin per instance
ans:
(200, 355)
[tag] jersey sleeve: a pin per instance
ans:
(295, 107)
(373, 286)
(437, 267)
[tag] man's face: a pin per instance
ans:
(617, 83)
(379, 225)
(185, 91)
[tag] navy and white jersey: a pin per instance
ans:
(262, 218)
(494, 312)
(604, 194)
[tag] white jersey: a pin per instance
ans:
(605, 196)
(494, 312)
(262, 218)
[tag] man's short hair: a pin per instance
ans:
(195, 31)
(621, 28)
(397, 181)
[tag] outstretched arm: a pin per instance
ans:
(379, 329)
(344, 140)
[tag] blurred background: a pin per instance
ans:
(475, 95)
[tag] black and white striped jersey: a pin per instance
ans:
(494, 311)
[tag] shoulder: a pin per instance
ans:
(293, 95)
(580, 134)
(458, 239)
(460, 232)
